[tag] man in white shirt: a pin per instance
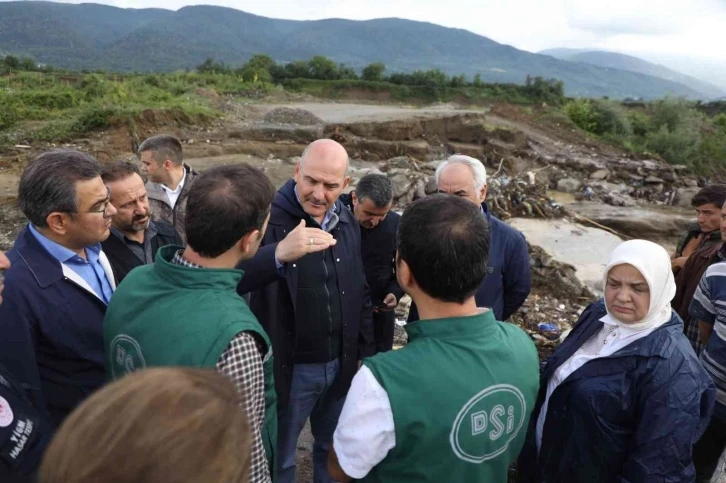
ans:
(169, 179)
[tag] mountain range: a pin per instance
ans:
(615, 60)
(92, 36)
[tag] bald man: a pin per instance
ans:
(308, 289)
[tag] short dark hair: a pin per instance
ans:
(445, 242)
(163, 147)
(224, 204)
(712, 194)
(48, 183)
(375, 187)
(118, 170)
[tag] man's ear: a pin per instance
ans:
(404, 275)
(346, 181)
(354, 197)
(58, 222)
(483, 193)
(247, 241)
(168, 164)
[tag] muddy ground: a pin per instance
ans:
(511, 141)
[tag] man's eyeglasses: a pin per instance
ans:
(104, 207)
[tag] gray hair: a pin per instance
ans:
(48, 183)
(375, 187)
(476, 166)
(163, 147)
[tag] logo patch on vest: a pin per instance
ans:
(6, 413)
(487, 423)
(126, 356)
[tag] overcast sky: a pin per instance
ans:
(664, 30)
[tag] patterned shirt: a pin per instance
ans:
(709, 306)
(241, 361)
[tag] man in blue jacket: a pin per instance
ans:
(24, 431)
(309, 292)
(509, 281)
(59, 284)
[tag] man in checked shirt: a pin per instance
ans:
(183, 310)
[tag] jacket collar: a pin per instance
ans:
(181, 276)
(286, 200)
(455, 327)
(655, 344)
(46, 269)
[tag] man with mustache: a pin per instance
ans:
(309, 292)
(134, 239)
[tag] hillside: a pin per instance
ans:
(614, 60)
(89, 36)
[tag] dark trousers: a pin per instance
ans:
(383, 325)
(708, 450)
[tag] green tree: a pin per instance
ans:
(477, 81)
(346, 72)
(374, 72)
(210, 66)
(12, 62)
(299, 69)
(323, 68)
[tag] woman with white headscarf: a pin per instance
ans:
(623, 398)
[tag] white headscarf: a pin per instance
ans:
(653, 262)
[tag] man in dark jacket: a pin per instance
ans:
(705, 231)
(59, 284)
(24, 430)
(509, 281)
(170, 179)
(371, 204)
(134, 239)
(310, 295)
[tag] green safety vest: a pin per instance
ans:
(166, 314)
(461, 393)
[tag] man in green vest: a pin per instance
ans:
(183, 310)
(453, 404)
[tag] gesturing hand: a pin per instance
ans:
(301, 241)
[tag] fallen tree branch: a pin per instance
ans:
(598, 225)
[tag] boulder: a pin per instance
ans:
(685, 195)
(653, 180)
(401, 184)
(600, 174)
(569, 185)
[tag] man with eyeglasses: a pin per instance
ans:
(59, 284)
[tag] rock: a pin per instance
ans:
(401, 162)
(568, 185)
(401, 184)
(685, 195)
(600, 174)
(555, 238)
(691, 183)
(653, 180)
(431, 186)
(616, 199)
(669, 176)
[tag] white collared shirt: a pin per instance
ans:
(173, 195)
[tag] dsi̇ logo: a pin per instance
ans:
(126, 356)
(487, 423)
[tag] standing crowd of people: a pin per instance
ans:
(185, 328)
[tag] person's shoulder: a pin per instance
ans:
(163, 228)
(717, 270)
(508, 232)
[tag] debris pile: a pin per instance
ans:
(287, 115)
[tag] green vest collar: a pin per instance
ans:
(450, 327)
(193, 278)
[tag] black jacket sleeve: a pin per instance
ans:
(260, 270)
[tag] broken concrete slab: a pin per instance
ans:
(586, 249)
